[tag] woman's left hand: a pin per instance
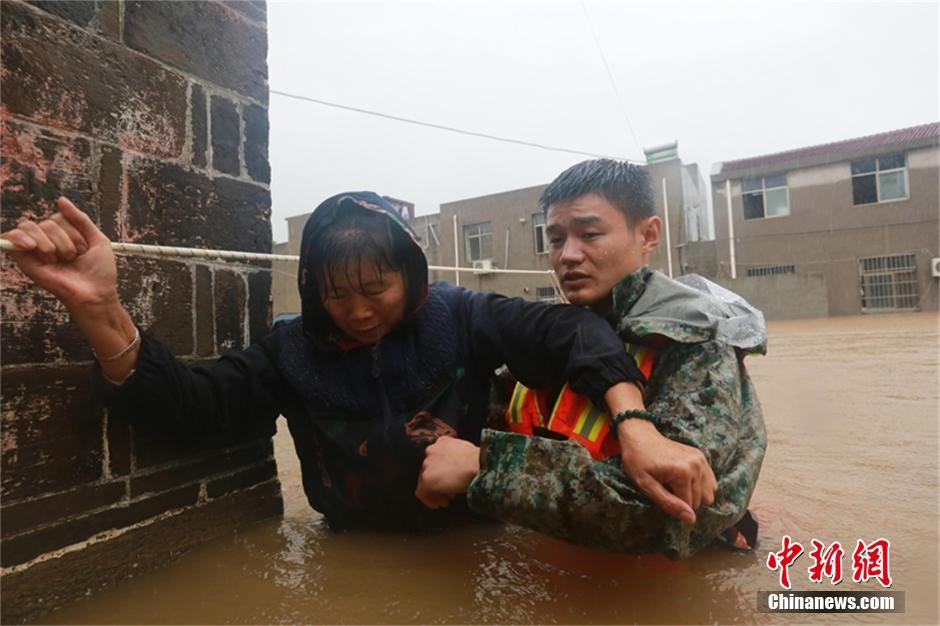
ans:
(450, 465)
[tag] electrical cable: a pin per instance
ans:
(610, 76)
(453, 129)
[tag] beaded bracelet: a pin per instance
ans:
(130, 346)
(629, 413)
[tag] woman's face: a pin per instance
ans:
(366, 303)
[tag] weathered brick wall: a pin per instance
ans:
(152, 117)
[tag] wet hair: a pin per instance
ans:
(356, 239)
(626, 186)
(353, 239)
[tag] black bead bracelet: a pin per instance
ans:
(630, 413)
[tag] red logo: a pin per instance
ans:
(782, 560)
(868, 561)
(826, 562)
(871, 561)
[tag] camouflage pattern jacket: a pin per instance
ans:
(699, 394)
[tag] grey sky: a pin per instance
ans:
(727, 80)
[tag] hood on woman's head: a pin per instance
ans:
(355, 227)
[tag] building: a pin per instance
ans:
(682, 203)
(506, 230)
(844, 228)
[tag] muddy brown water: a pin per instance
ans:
(851, 409)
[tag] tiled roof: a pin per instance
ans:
(833, 151)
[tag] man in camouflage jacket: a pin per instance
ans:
(602, 228)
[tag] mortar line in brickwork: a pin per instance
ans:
(169, 68)
(203, 491)
(201, 456)
(274, 480)
(122, 503)
(242, 166)
(7, 501)
(105, 535)
(187, 152)
(121, 226)
(125, 152)
(113, 533)
(210, 152)
(105, 448)
(146, 495)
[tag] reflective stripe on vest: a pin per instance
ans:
(573, 415)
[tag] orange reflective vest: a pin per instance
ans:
(574, 416)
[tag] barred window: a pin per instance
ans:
(889, 283)
(546, 294)
(771, 270)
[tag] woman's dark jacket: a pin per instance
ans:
(361, 417)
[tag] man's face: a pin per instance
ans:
(591, 248)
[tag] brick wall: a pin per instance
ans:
(152, 117)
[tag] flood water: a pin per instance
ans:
(851, 410)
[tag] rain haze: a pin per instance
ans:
(726, 81)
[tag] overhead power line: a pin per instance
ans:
(451, 129)
(610, 76)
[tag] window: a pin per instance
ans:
(771, 270)
(546, 294)
(765, 196)
(879, 179)
(538, 226)
(889, 283)
(478, 241)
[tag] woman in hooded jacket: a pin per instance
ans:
(379, 365)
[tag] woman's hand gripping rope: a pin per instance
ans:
(68, 256)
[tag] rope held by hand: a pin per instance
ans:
(235, 255)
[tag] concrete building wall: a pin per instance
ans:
(827, 234)
(698, 257)
(672, 172)
(153, 118)
(511, 217)
(284, 293)
(785, 296)
(428, 230)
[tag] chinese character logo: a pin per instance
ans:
(871, 561)
(782, 560)
(826, 563)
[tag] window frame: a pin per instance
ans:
(468, 234)
(877, 174)
(763, 194)
(536, 227)
(889, 283)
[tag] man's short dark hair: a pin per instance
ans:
(624, 185)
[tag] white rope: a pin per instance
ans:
(175, 251)
(234, 255)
